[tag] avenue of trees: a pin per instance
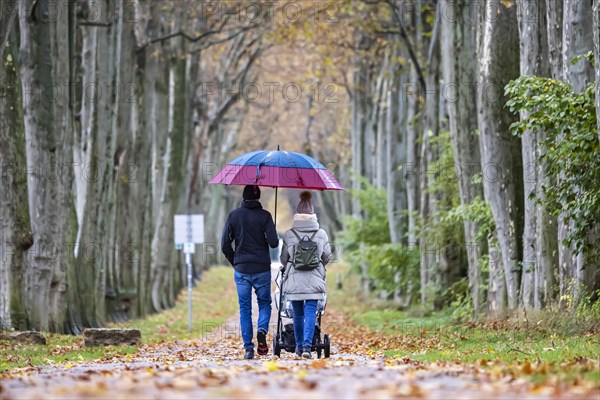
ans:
(466, 131)
(479, 119)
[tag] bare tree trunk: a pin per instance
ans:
(411, 168)
(15, 235)
(460, 91)
(380, 153)
(396, 131)
(48, 130)
(359, 132)
(596, 30)
(577, 40)
(497, 288)
(396, 155)
(500, 151)
(431, 126)
(538, 230)
(554, 25)
(131, 168)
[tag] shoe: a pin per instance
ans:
(263, 347)
(306, 354)
(249, 355)
(299, 352)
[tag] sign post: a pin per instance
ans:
(189, 230)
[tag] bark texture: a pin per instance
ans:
(500, 151)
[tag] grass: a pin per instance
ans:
(213, 303)
(516, 346)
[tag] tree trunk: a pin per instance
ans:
(577, 40)
(411, 168)
(430, 252)
(45, 53)
(500, 150)
(497, 287)
(538, 230)
(380, 153)
(360, 122)
(596, 30)
(396, 155)
(460, 91)
(15, 235)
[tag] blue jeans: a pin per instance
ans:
(261, 283)
(305, 318)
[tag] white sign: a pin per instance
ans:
(189, 248)
(189, 228)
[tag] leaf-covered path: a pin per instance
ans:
(211, 367)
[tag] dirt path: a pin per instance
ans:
(211, 367)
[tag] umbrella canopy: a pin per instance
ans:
(277, 168)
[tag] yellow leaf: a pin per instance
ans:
(68, 366)
(271, 365)
(9, 58)
(302, 374)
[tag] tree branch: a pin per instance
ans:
(100, 24)
(434, 45)
(186, 36)
(408, 44)
(242, 78)
(223, 40)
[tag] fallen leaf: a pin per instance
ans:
(302, 374)
(271, 365)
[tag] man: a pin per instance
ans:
(253, 231)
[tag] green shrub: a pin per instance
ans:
(570, 150)
(366, 241)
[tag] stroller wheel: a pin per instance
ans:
(327, 343)
(319, 353)
(276, 347)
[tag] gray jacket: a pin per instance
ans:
(304, 285)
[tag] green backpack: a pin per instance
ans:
(306, 254)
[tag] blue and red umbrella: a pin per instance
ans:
(277, 169)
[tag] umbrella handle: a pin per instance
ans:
(276, 208)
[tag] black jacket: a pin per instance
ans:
(253, 231)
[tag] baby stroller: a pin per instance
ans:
(284, 338)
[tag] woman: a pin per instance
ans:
(304, 288)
